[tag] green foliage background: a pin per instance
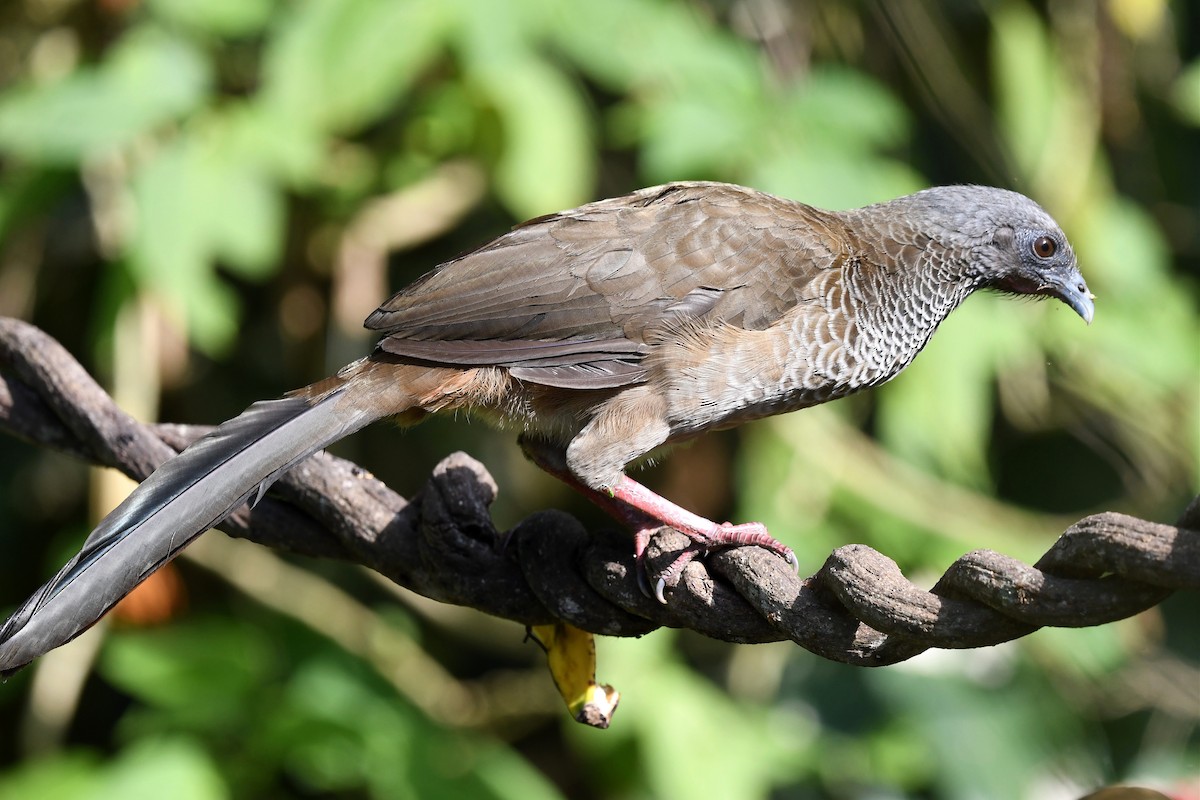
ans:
(202, 198)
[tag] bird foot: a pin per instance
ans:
(646, 512)
(704, 541)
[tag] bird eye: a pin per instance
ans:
(1044, 247)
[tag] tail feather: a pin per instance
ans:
(202, 485)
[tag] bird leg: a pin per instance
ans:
(645, 511)
(705, 533)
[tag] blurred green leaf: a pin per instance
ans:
(206, 670)
(504, 777)
(691, 136)
(1122, 249)
(152, 769)
(695, 95)
(333, 66)
(1126, 259)
(1022, 69)
(832, 178)
(200, 203)
(664, 704)
(1046, 115)
(266, 139)
(1090, 653)
(27, 192)
(1186, 93)
(149, 769)
(67, 776)
(330, 724)
(338, 731)
(149, 78)
(991, 736)
(546, 161)
(827, 143)
(839, 106)
(219, 17)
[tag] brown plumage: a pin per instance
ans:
(600, 334)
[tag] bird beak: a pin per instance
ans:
(1072, 290)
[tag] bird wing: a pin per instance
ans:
(573, 299)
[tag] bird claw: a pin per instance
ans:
(673, 572)
(643, 580)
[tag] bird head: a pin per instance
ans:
(1023, 251)
(995, 239)
(1039, 261)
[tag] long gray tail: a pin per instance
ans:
(201, 486)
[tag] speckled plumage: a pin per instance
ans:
(602, 333)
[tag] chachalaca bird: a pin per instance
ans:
(600, 334)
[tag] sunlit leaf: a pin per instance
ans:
(1044, 112)
(691, 137)
(1022, 67)
(266, 138)
(206, 670)
(748, 748)
(149, 79)
(334, 66)
(245, 218)
(989, 740)
(150, 769)
(1186, 93)
(829, 177)
(1126, 259)
(846, 107)
(200, 202)
(220, 17)
(340, 730)
(546, 161)
(58, 777)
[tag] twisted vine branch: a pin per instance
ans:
(858, 609)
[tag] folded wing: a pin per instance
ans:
(573, 299)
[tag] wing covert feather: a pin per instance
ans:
(599, 278)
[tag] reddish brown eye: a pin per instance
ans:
(1044, 247)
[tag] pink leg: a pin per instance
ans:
(645, 511)
(704, 532)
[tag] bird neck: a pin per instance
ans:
(901, 290)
